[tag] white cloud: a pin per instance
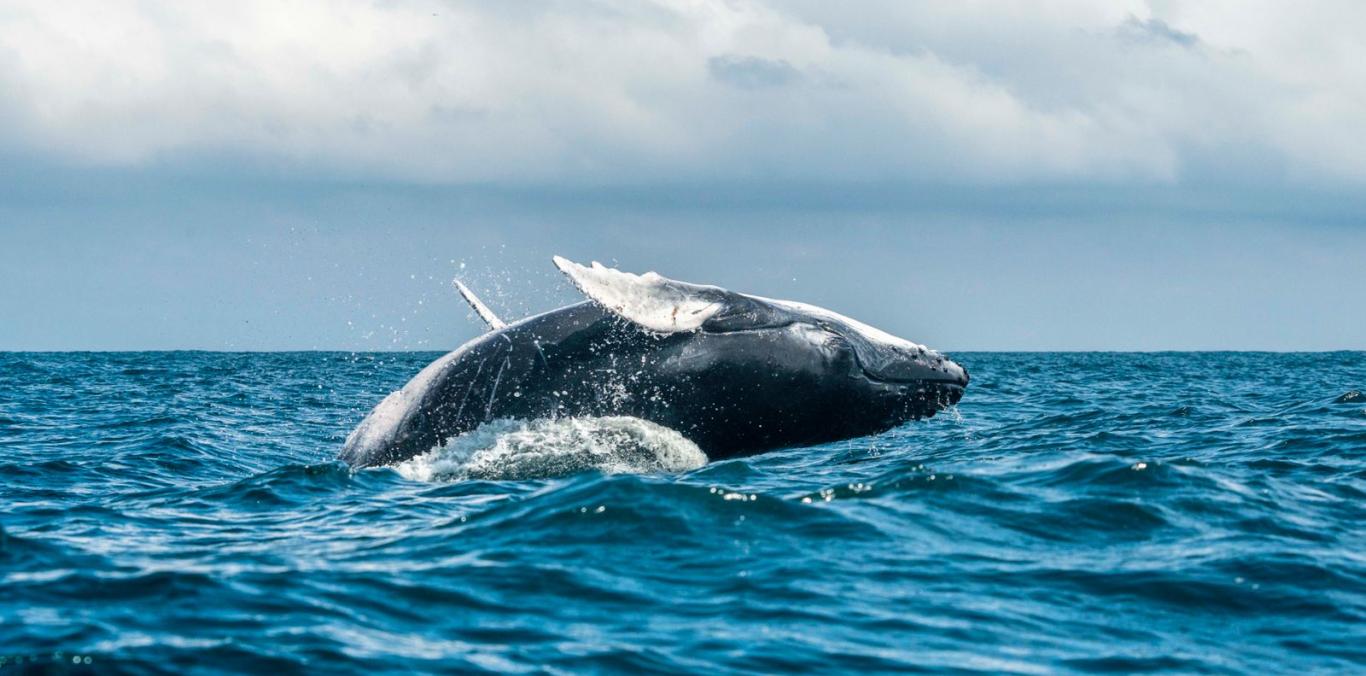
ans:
(628, 92)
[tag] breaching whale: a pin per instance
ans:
(734, 373)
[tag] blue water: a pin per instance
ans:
(169, 512)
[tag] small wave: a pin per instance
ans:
(291, 484)
(516, 450)
(1349, 397)
(34, 554)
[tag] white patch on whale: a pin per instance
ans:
(375, 429)
(654, 302)
(478, 306)
(505, 450)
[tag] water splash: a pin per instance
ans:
(512, 450)
(960, 422)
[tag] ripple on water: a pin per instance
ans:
(1122, 512)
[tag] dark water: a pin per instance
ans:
(1088, 512)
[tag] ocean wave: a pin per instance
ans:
(1081, 512)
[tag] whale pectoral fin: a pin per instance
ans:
(653, 302)
(663, 305)
(479, 308)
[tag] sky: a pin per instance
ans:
(1061, 175)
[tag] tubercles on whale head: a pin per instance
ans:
(881, 355)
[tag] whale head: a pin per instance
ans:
(843, 365)
(924, 379)
(838, 358)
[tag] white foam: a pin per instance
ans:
(514, 450)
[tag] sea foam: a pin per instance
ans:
(514, 450)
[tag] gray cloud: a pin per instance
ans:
(616, 92)
(748, 72)
(1157, 30)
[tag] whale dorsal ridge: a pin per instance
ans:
(653, 302)
(479, 308)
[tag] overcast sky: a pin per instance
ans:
(974, 175)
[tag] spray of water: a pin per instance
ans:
(516, 450)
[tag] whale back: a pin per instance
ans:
(487, 378)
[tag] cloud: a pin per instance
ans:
(1156, 30)
(615, 92)
(748, 72)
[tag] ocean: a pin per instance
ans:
(183, 512)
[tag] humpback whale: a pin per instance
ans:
(736, 374)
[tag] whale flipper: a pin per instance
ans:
(655, 303)
(482, 310)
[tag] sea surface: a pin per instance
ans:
(1078, 512)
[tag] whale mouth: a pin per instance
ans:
(954, 393)
(946, 394)
(927, 398)
(936, 380)
(890, 367)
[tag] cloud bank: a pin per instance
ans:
(612, 92)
